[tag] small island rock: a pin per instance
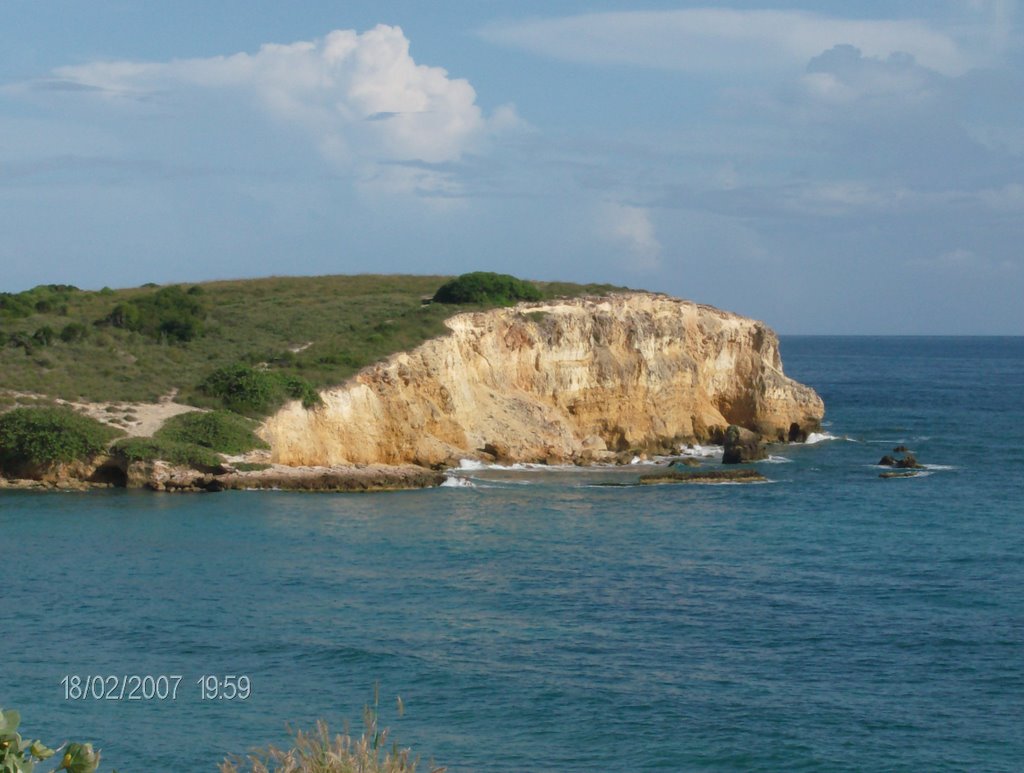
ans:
(741, 445)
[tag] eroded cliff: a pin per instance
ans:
(572, 380)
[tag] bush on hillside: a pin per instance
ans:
(24, 341)
(220, 431)
(147, 449)
(486, 287)
(44, 336)
(43, 299)
(257, 392)
(73, 332)
(49, 435)
(170, 314)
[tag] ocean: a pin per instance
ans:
(532, 620)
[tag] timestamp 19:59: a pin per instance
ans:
(228, 687)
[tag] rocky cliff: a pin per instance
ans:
(573, 380)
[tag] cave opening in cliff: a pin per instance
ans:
(111, 475)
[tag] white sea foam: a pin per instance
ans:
(939, 467)
(699, 450)
(473, 465)
(776, 460)
(820, 437)
(453, 481)
(732, 482)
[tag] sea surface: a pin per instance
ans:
(536, 621)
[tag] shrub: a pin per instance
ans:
(298, 388)
(320, 752)
(486, 287)
(14, 305)
(18, 755)
(24, 341)
(73, 332)
(48, 435)
(44, 336)
(255, 392)
(42, 299)
(168, 314)
(241, 388)
(147, 449)
(221, 431)
(252, 466)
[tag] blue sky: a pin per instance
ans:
(827, 167)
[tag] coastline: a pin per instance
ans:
(163, 477)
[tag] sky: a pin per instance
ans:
(827, 167)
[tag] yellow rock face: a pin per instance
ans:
(571, 380)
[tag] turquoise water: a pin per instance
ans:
(828, 620)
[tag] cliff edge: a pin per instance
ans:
(566, 381)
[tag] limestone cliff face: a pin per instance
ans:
(571, 380)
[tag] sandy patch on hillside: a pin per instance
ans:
(134, 419)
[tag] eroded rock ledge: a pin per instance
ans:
(577, 380)
(107, 472)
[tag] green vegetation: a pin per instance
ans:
(320, 329)
(73, 332)
(44, 299)
(252, 466)
(320, 752)
(193, 439)
(487, 287)
(169, 314)
(147, 449)
(257, 391)
(47, 435)
(220, 431)
(18, 755)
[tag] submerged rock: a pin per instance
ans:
(684, 461)
(908, 462)
(708, 476)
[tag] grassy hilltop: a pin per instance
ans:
(285, 336)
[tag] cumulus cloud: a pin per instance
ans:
(631, 228)
(362, 98)
(843, 75)
(724, 40)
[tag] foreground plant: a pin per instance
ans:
(20, 756)
(320, 752)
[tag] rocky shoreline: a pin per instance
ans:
(254, 471)
(161, 476)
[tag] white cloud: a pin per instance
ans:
(724, 40)
(631, 228)
(843, 75)
(362, 98)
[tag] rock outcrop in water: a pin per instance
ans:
(741, 445)
(566, 381)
